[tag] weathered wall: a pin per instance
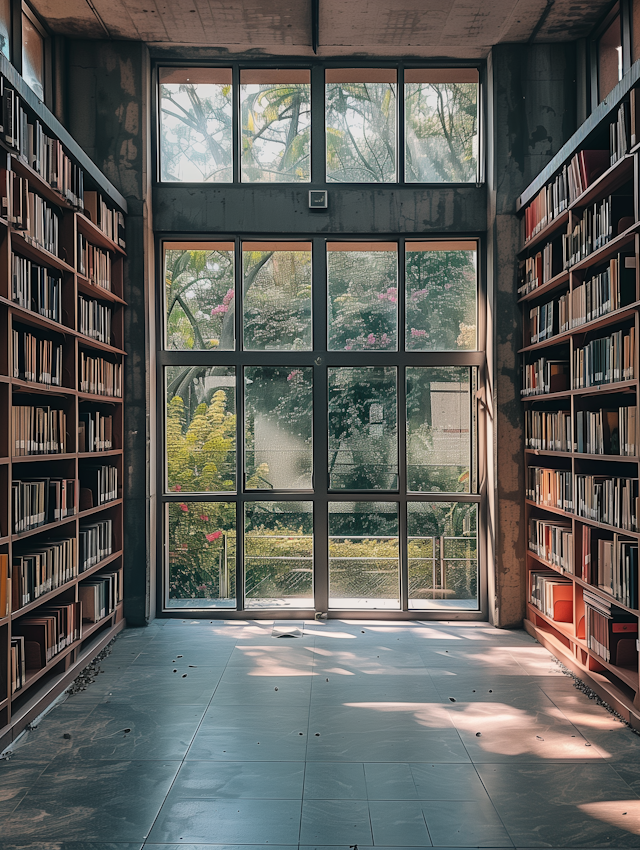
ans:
(107, 112)
(531, 113)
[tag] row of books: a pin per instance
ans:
(38, 501)
(544, 376)
(619, 134)
(48, 631)
(5, 586)
(611, 501)
(597, 226)
(548, 431)
(610, 632)
(36, 358)
(94, 319)
(95, 543)
(616, 569)
(100, 595)
(607, 360)
(99, 376)
(552, 541)
(43, 153)
(94, 263)
(95, 432)
(554, 198)
(40, 430)
(540, 269)
(43, 224)
(99, 485)
(15, 196)
(18, 664)
(41, 569)
(548, 320)
(606, 291)
(608, 431)
(109, 221)
(552, 594)
(551, 488)
(35, 288)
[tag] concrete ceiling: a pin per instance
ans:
(454, 28)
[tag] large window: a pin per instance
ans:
(376, 125)
(321, 428)
(32, 54)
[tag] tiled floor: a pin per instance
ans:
(206, 734)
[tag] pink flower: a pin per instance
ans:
(393, 299)
(184, 508)
(448, 285)
(392, 290)
(228, 297)
(348, 347)
(201, 587)
(382, 296)
(204, 518)
(371, 339)
(292, 375)
(177, 487)
(221, 308)
(213, 536)
(415, 333)
(385, 339)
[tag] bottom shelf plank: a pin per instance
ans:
(620, 698)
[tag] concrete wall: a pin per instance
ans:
(107, 112)
(531, 113)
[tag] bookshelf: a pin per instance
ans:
(579, 290)
(62, 254)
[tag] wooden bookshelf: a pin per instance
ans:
(43, 683)
(618, 684)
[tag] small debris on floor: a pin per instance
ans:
(66, 736)
(90, 672)
(478, 734)
(452, 699)
(184, 675)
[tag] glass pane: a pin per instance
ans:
(441, 296)
(32, 57)
(202, 554)
(278, 555)
(5, 28)
(443, 555)
(609, 58)
(441, 125)
(201, 429)
(364, 568)
(277, 296)
(278, 428)
(196, 125)
(200, 305)
(361, 126)
(275, 108)
(363, 297)
(363, 439)
(439, 437)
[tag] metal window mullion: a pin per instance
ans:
(240, 459)
(236, 136)
(400, 154)
(318, 154)
(320, 425)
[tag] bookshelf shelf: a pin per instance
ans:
(601, 558)
(48, 306)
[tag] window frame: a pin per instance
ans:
(27, 11)
(321, 360)
(318, 116)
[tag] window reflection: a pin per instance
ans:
(441, 126)
(32, 57)
(196, 125)
(361, 125)
(199, 296)
(275, 109)
(363, 296)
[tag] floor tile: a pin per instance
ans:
(464, 824)
(239, 821)
(132, 731)
(564, 805)
(335, 822)
(334, 781)
(447, 782)
(16, 777)
(282, 780)
(389, 782)
(432, 746)
(90, 801)
(398, 823)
